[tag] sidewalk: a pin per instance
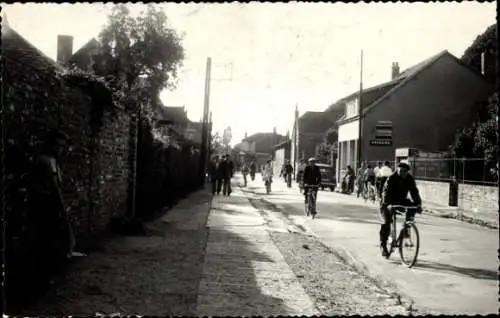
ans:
(156, 274)
(204, 257)
(244, 273)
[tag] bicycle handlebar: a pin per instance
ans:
(405, 207)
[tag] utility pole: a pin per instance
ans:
(360, 103)
(204, 130)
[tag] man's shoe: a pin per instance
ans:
(385, 252)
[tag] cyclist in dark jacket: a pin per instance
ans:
(312, 176)
(395, 192)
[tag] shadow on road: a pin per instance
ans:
(237, 270)
(476, 273)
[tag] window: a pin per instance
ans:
(351, 108)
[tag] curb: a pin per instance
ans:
(453, 214)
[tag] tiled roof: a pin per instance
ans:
(19, 50)
(90, 45)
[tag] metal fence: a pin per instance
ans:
(476, 171)
(463, 170)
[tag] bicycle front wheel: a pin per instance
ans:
(409, 244)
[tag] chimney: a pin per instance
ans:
(395, 70)
(64, 48)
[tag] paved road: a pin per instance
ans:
(457, 268)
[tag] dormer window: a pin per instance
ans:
(352, 108)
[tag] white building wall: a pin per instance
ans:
(279, 160)
(349, 131)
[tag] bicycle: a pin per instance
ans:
(405, 233)
(369, 192)
(310, 206)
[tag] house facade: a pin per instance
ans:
(260, 146)
(422, 108)
(309, 132)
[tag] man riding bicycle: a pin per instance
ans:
(395, 192)
(312, 177)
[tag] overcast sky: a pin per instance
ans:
(281, 54)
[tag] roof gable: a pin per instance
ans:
(17, 48)
(410, 74)
(90, 46)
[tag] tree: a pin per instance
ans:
(139, 56)
(328, 146)
(480, 139)
(484, 43)
(216, 144)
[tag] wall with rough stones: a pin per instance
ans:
(483, 200)
(478, 201)
(38, 99)
(434, 192)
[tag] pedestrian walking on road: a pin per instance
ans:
(214, 175)
(288, 171)
(226, 173)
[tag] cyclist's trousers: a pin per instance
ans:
(386, 215)
(306, 190)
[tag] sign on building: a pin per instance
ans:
(380, 142)
(383, 129)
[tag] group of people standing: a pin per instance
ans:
(221, 170)
(374, 176)
(365, 176)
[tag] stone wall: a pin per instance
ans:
(483, 200)
(477, 201)
(434, 192)
(38, 100)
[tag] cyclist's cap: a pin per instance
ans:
(311, 159)
(404, 165)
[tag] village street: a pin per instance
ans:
(457, 266)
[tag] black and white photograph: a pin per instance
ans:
(250, 159)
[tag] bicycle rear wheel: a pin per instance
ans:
(409, 244)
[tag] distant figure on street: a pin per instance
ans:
(287, 173)
(226, 173)
(360, 179)
(300, 173)
(54, 240)
(214, 175)
(245, 169)
(348, 181)
(253, 169)
(312, 177)
(267, 174)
